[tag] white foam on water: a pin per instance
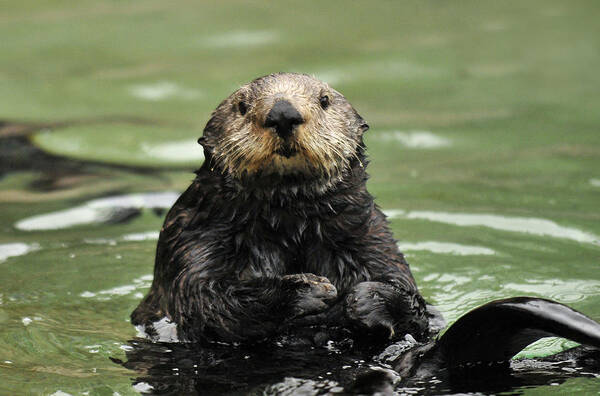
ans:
(119, 290)
(142, 282)
(413, 139)
(446, 248)
(93, 348)
(164, 199)
(394, 213)
(96, 211)
(163, 90)
(26, 321)
(177, 151)
(143, 387)
(527, 225)
(141, 331)
(144, 278)
(60, 393)
(133, 237)
(141, 236)
(241, 38)
(115, 291)
(595, 182)
(100, 241)
(166, 331)
(63, 219)
(16, 249)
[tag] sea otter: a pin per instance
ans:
(278, 225)
(278, 232)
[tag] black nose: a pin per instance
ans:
(283, 117)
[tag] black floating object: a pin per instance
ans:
(497, 331)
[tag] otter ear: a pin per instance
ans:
(362, 124)
(211, 130)
(208, 150)
(205, 141)
(217, 119)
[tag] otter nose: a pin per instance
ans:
(284, 118)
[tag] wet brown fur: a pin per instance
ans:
(261, 243)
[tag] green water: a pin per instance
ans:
(485, 134)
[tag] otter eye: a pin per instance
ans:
(324, 101)
(242, 107)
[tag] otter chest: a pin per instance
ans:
(282, 243)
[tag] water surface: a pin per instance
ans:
(484, 145)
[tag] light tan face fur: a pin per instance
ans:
(324, 144)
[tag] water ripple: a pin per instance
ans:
(97, 211)
(16, 249)
(446, 248)
(178, 151)
(564, 290)
(528, 225)
(163, 90)
(413, 139)
(143, 282)
(134, 237)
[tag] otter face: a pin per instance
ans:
(283, 124)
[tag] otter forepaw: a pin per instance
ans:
(309, 293)
(366, 308)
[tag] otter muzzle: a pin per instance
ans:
(284, 118)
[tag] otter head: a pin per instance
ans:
(284, 124)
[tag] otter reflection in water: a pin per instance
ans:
(338, 367)
(278, 236)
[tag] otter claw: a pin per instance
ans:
(311, 293)
(366, 308)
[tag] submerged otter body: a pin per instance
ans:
(278, 228)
